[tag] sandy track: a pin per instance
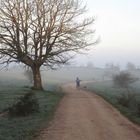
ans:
(83, 115)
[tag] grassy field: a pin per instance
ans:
(109, 92)
(25, 128)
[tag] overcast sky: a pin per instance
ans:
(118, 25)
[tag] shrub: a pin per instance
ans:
(125, 99)
(138, 108)
(124, 79)
(26, 105)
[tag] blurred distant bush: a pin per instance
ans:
(125, 99)
(124, 79)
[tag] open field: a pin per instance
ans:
(14, 84)
(25, 128)
(109, 92)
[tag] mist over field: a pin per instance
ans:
(15, 76)
(61, 75)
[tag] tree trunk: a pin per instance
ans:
(37, 78)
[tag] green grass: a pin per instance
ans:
(25, 128)
(110, 93)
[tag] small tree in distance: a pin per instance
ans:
(130, 66)
(123, 80)
(42, 33)
(111, 70)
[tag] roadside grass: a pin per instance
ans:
(26, 128)
(110, 93)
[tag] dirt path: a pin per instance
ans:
(83, 115)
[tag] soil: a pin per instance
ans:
(83, 115)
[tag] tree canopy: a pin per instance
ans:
(42, 32)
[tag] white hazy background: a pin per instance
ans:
(118, 25)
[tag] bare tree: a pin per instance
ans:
(42, 33)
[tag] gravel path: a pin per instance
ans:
(82, 115)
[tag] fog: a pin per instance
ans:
(15, 75)
(61, 75)
(117, 23)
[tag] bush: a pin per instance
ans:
(125, 99)
(138, 108)
(26, 105)
(124, 79)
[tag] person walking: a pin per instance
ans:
(77, 82)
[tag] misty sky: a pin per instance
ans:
(118, 25)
